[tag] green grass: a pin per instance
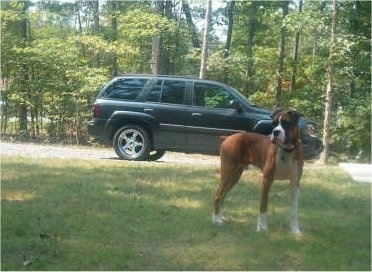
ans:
(115, 215)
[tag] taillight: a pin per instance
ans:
(96, 110)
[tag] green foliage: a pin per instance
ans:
(142, 24)
(59, 83)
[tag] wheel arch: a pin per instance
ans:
(145, 123)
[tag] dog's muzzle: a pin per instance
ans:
(278, 135)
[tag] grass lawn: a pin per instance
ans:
(115, 215)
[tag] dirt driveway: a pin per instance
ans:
(30, 150)
(359, 172)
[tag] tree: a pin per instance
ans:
(227, 49)
(95, 13)
(295, 53)
(204, 58)
(192, 28)
(24, 73)
(251, 27)
(114, 37)
(281, 51)
(160, 60)
(329, 95)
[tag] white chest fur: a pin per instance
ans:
(285, 164)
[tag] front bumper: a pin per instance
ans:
(312, 147)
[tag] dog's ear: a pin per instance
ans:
(275, 112)
(295, 115)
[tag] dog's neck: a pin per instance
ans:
(288, 148)
(284, 153)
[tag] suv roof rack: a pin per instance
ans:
(161, 75)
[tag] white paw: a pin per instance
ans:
(218, 219)
(261, 223)
(295, 229)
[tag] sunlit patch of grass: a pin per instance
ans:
(18, 196)
(115, 215)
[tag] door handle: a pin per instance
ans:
(196, 114)
(148, 110)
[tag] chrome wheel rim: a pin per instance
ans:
(131, 143)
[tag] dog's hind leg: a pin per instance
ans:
(230, 175)
(265, 188)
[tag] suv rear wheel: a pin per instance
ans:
(132, 143)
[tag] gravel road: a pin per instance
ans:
(31, 150)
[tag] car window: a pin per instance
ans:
(124, 89)
(173, 91)
(155, 91)
(211, 96)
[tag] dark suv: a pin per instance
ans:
(145, 115)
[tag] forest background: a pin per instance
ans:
(55, 56)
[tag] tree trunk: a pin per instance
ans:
(155, 55)
(77, 12)
(230, 18)
(114, 37)
(95, 30)
(204, 59)
(24, 71)
(79, 27)
(295, 53)
(280, 67)
(194, 34)
(95, 11)
(159, 56)
(329, 95)
(250, 35)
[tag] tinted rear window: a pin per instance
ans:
(124, 89)
(173, 91)
(155, 91)
(167, 91)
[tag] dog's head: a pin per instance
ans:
(285, 128)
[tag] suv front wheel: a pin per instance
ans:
(132, 143)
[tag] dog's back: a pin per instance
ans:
(244, 147)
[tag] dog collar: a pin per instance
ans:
(286, 147)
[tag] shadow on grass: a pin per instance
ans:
(114, 215)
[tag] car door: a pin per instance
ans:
(212, 115)
(166, 102)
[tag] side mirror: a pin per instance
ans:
(235, 104)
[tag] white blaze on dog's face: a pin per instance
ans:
(278, 133)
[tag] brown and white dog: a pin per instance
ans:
(278, 156)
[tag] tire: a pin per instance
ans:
(132, 143)
(156, 154)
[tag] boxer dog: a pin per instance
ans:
(279, 156)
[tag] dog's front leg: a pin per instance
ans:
(295, 192)
(265, 188)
